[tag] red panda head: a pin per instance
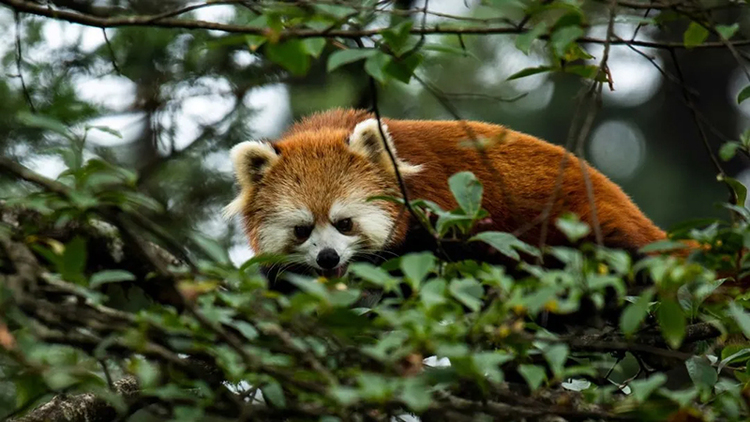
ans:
(307, 196)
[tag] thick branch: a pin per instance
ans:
(83, 407)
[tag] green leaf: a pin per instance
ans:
(332, 10)
(745, 138)
(671, 321)
(727, 31)
(140, 200)
(743, 95)
(701, 372)
(506, 244)
(681, 397)
(737, 187)
(635, 313)
(108, 130)
(416, 266)
(729, 149)
(662, 246)
(292, 55)
(530, 71)
(447, 49)
(557, 355)
(574, 16)
(642, 389)
(563, 37)
(273, 392)
(211, 248)
(535, 301)
(433, 293)
(44, 122)
(29, 387)
(188, 414)
(314, 46)
(742, 318)
(416, 394)
(230, 361)
(254, 42)
(468, 192)
(574, 53)
(694, 35)
(146, 372)
(397, 36)
(73, 261)
(488, 364)
(573, 228)
(533, 374)
(453, 219)
(342, 57)
(371, 273)
(524, 41)
(246, 329)
(402, 69)
(467, 291)
(376, 64)
(740, 355)
(110, 276)
(309, 286)
(345, 395)
(374, 386)
(589, 71)
(387, 345)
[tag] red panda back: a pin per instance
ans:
(520, 175)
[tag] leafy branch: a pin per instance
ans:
(160, 21)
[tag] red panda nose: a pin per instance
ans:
(328, 258)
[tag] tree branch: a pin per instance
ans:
(157, 21)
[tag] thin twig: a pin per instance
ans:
(112, 55)
(107, 375)
(394, 161)
(19, 59)
(588, 122)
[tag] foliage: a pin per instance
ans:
(73, 324)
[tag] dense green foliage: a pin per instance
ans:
(314, 354)
(115, 276)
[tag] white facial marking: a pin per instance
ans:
(373, 225)
(370, 219)
(326, 236)
(278, 231)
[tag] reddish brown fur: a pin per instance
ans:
(519, 173)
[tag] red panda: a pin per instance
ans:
(306, 195)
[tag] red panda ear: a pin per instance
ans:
(366, 140)
(251, 160)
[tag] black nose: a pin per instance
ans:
(328, 258)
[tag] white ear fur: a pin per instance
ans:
(233, 208)
(366, 140)
(251, 159)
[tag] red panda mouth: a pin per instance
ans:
(337, 272)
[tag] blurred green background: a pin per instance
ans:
(180, 99)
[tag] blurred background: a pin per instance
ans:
(180, 99)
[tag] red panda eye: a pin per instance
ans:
(303, 232)
(343, 225)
